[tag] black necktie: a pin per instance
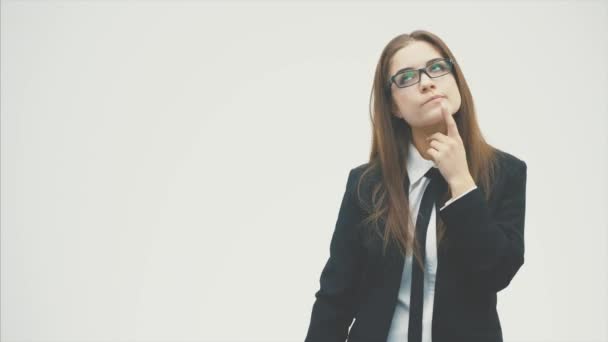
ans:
(429, 198)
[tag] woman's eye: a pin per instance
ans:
(437, 66)
(407, 76)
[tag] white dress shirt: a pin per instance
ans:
(416, 169)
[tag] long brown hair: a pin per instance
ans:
(391, 136)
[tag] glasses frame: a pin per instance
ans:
(451, 64)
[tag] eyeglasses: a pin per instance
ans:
(409, 77)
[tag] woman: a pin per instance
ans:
(431, 272)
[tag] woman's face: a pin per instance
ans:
(410, 101)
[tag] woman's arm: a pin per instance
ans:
(490, 248)
(333, 310)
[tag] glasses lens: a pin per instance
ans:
(439, 68)
(407, 78)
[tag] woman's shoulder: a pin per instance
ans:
(370, 170)
(509, 163)
(509, 175)
(357, 170)
(362, 180)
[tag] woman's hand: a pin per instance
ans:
(448, 153)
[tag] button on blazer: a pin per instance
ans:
(482, 250)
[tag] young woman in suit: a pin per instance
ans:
(432, 227)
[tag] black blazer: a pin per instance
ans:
(482, 250)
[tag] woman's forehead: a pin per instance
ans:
(415, 55)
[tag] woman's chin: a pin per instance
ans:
(434, 114)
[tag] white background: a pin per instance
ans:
(172, 171)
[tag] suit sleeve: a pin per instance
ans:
(333, 309)
(489, 248)
(456, 198)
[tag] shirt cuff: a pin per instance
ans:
(453, 199)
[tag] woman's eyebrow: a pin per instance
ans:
(427, 63)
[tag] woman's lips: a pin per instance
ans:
(434, 100)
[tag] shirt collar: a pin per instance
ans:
(416, 165)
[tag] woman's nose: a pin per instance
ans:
(426, 82)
